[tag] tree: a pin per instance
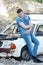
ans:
(41, 1)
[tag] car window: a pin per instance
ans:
(17, 31)
(40, 31)
(11, 29)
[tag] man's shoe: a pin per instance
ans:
(36, 60)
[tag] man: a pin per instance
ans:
(25, 27)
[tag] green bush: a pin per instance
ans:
(12, 15)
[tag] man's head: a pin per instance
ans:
(20, 13)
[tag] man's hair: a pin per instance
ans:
(19, 10)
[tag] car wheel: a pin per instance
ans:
(25, 54)
(1, 43)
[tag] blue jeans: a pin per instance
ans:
(29, 38)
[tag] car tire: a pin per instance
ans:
(1, 43)
(25, 54)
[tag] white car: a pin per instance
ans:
(14, 36)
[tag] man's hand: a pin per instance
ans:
(31, 25)
(27, 32)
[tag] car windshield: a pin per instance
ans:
(11, 29)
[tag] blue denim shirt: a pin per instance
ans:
(25, 20)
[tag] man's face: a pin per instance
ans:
(21, 14)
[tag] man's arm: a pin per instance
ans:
(30, 23)
(25, 26)
(28, 31)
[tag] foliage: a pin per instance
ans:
(12, 15)
(41, 1)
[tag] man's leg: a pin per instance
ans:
(33, 52)
(36, 44)
(28, 41)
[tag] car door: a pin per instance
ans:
(39, 36)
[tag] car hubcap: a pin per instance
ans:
(25, 55)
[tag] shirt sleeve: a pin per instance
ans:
(18, 21)
(28, 18)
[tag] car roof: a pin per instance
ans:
(37, 22)
(36, 16)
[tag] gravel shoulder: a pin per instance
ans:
(12, 61)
